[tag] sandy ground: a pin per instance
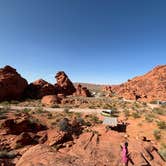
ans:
(83, 110)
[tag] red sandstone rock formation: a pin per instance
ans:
(64, 85)
(50, 100)
(149, 87)
(39, 88)
(91, 149)
(82, 91)
(12, 84)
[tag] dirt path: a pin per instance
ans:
(84, 110)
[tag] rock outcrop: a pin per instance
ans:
(12, 85)
(64, 85)
(23, 124)
(38, 89)
(92, 148)
(149, 87)
(82, 91)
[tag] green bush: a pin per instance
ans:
(64, 125)
(26, 110)
(159, 110)
(14, 102)
(161, 124)
(157, 134)
(135, 115)
(149, 117)
(162, 151)
(8, 155)
(126, 113)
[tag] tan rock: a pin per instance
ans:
(50, 100)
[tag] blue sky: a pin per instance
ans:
(98, 41)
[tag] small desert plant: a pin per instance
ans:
(153, 102)
(162, 151)
(149, 117)
(3, 117)
(5, 154)
(94, 119)
(161, 124)
(18, 145)
(159, 110)
(64, 125)
(66, 110)
(55, 106)
(135, 115)
(126, 113)
(49, 115)
(5, 103)
(40, 110)
(92, 106)
(26, 110)
(14, 102)
(3, 111)
(157, 134)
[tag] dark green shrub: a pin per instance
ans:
(161, 124)
(135, 115)
(157, 134)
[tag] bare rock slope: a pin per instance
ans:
(149, 87)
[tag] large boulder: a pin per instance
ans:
(38, 89)
(82, 91)
(12, 85)
(51, 100)
(64, 85)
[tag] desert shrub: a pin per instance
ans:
(92, 106)
(40, 110)
(149, 117)
(162, 151)
(4, 110)
(161, 124)
(157, 134)
(3, 117)
(126, 113)
(55, 106)
(159, 110)
(77, 114)
(66, 110)
(14, 102)
(26, 110)
(8, 155)
(94, 119)
(64, 125)
(135, 115)
(144, 104)
(49, 115)
(5, 103)
(80, 121)
(154, 102)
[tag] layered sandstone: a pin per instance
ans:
(12, 85)
(149, 87)
(64, 85)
